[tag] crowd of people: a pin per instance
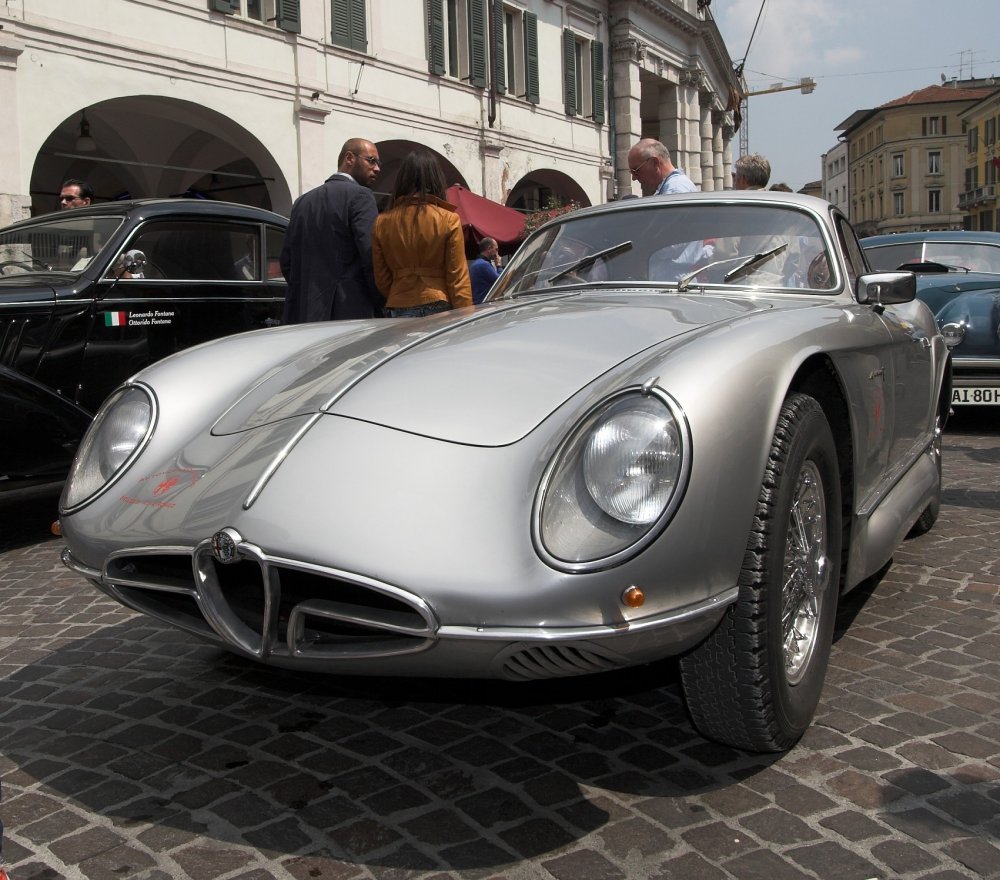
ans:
(342, 259)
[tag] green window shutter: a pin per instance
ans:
(227, 6)
(349, 29)
(597, 74)
(286, 14)
(435, 37)
(500, 77)
(477, 43)
(569, 72)
(531, 57)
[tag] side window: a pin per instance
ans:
(854, 256)
(274, 241)
(191, 250)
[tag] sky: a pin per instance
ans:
(861, 55)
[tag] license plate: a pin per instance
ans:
(976, 396)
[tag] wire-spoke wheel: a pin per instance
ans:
(756, 681)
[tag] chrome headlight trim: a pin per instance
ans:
(110, 445)
(572, 529)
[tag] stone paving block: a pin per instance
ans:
(718, 841)
(583, 865)
(689, 866)
(854, 826)
(829, 859)
(763, 864)
(776, 826)
(968, 807)
(83, 845)
(977, 855)
(923, 825)
(903, 857)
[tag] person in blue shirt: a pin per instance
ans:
(649, 163)
(483, 270)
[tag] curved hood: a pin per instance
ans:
(485, 377)
(979, 312)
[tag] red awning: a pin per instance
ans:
(482, 218)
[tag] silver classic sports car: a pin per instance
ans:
(679, 425)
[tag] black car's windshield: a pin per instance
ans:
(659, 242)
(63, 243)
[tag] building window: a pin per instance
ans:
(348, 24)
(934, 162)
(989, 132)
(973, 145)
(932, 126)
(897, 204)
(583, 76)
(991, 172)
(456, 33)
(897, 164)
(934, 201)
(279, 13)
(516, 47)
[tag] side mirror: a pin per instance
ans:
(886, 288)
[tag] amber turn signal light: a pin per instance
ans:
(633, 597)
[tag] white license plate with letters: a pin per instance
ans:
(975, 396)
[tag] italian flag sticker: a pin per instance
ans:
(115, 319)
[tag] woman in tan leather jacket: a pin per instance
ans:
(418, 251)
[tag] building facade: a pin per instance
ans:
(978, 199)
(834, 183)
(523, 101)
(906, 160)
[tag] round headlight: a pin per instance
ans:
(630, 464)
(112, 441)
(614, 483)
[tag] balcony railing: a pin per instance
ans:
(981, 195)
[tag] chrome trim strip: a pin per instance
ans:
(567, 634)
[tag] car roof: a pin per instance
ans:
(146, 208)
(946, 235)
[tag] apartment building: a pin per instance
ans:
(523, 101)
(834, 182)
(978, 199)
(906, 160)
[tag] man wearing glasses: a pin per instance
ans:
(75, 193)
(327, 255)
(649, 162)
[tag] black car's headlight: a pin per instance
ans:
(614, 482)
(117, 435)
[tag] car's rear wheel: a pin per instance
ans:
(756, 681)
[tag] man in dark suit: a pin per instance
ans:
(327, 256)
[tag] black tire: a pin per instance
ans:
(752, 684)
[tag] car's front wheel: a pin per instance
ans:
(756, 681)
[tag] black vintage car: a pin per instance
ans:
(91, 295)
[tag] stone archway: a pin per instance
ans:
(392, 153)
(540, 187)
(146, 146)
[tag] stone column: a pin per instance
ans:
(707, 149)
(625, 58)
(310, 119)
(14, 204)
(490, 149)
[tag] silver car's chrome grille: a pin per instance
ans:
(529, 663)
(267, 606)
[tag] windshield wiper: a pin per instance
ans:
(589, 260)
(752, 263)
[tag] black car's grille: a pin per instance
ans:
(264, 607)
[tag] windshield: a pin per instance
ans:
(687, 245)
(64, 244)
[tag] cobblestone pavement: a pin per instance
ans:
(129, 751)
